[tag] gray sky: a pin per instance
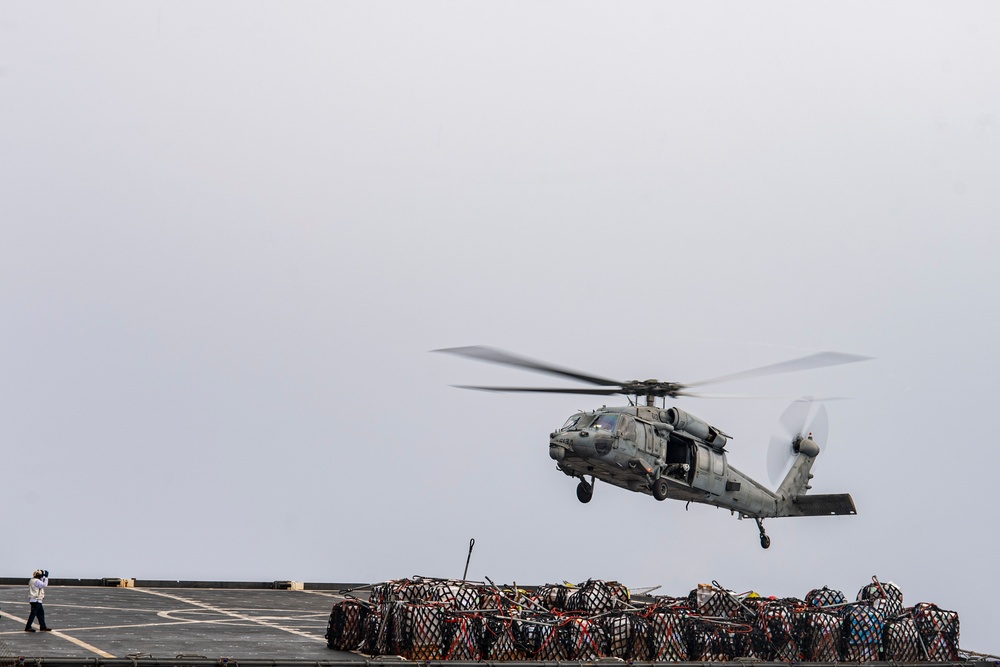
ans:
(230, 233)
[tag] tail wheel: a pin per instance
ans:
(660, 489)
(765, 541)
(584, 492)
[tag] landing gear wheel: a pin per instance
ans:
(765, 541)
(584, 491)
(659, 488)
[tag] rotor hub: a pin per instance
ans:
(652, 387)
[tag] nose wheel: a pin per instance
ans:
(584, 491)
(765, 541)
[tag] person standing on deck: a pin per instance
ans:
(36, 591)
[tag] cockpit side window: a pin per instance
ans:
(626, 427)
(606, 422)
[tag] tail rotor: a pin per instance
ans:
(805, 418)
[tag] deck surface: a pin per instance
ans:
(155, 625)
(91, 622)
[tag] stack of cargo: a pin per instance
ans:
(430, 619)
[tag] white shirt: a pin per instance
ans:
(36, 589)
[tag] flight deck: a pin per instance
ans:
(128, 623)
(166, 621)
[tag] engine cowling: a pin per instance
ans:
(688, 423)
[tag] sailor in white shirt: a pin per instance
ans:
(36, 592)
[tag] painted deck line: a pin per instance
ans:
(324, 594)
(62, 635)
(231, 614)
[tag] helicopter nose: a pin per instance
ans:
(583, 445)
(561, 445)
(580, 443)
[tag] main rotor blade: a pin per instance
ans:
(496, 356)
(694, 394)
(545, 390)
(818, 360)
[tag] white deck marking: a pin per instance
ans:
(326, 594)
(231, 614)
(51, 605)
(56, 633)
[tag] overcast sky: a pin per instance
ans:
(231, 232)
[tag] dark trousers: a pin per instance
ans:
(37, 611)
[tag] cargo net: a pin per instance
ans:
(824, 597)
(886, 597)
(499, 640)
(432, 619)
(776, 640)
(346, 629)
(938, 631)
(818, 634)
(862, 633)
(901, 641)
(666, 640)
(627, 636)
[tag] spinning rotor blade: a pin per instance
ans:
(637, 387)
(818, 360)
(545, 390)
(693, 394)
(496, 356)
(803, 417)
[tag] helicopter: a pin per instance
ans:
(666, 452)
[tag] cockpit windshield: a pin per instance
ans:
(578, 421)
(606, 422)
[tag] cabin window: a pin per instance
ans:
(718, 467)
(606, 422)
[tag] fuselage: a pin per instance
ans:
(631, 447)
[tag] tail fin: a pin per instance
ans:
(792, 498)
(796, 482)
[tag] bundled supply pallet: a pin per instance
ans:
(432, 619)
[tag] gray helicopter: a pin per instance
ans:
(669, 453)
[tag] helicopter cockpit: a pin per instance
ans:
(675, 453)
(598, 422)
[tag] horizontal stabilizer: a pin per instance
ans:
(831, 504)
